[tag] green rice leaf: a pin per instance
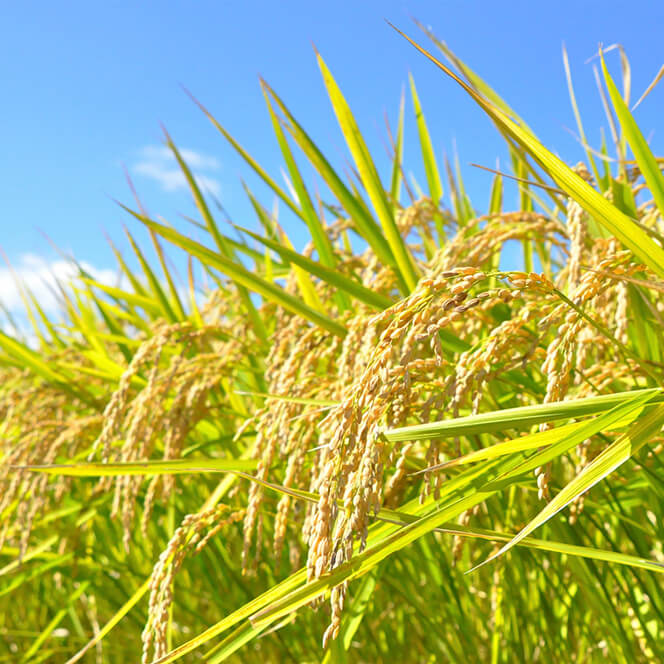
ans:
(318, 234)
(520, 444)
(642, 153)
(303, 278)
(246, 278)
(330, 276)
(397, 161)
(129, 274)
(211, 225)
(428, 157)
(175, 297)
(551, 546)
(576, 187)
(611, 458)
(234, 618)
(512, 418)
(25, 356)
(241, 635)
(159, 296)
(496, 197)
(117, 617)
(135, 299)
(363, 222)
(369, 177)
(260, 171)
(171, 467)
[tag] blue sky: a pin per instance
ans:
(87, 84)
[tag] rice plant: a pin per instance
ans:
(400, 444)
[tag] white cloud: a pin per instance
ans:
(194, 159)
(41, 277)
(159, 164)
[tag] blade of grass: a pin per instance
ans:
(363, 222)
(172, 467)
(117, 617)
(330, 276)
(159, 295)
(428, 158)
(135, 299)
(25, 356)
(611, 458)
(260, 171)
(577, 117)
(551, 546)
(211, 225)
(590, 200)
(302, 276)
(395, 179)
(246, 278)
(318, 234)
(510, 418)
(55, 621)
(369, 177)
(642, 153)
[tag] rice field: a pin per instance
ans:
(393, 445)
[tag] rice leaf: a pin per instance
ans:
(642, 153)
(246, 278)
(369, 177)
(551, 546)
(258, 169)
(319, 236)
(428, 157)
(590, 200)
(303, 278)
(175, 296)
(363, 222)
(330, 276)
(135, 299)
(170, 467)
(613, 456)
(233, 619)
(211, 225)
(241, 635)
(24, 355)
(159, 296)
(38, 643)
(397, 161)
(510, 418)
(496, 197)
(117, 617)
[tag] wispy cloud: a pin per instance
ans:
(158, 164)
(41, 277)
